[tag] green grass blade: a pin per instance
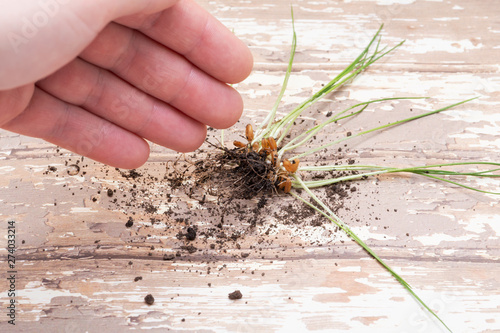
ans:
(349, 73)
(381, 128)
(426, 171)
(272, 114)
(338, 116)
(329, 214)
(334, 167)
(307, 135)
(458, 184)
(330, 181)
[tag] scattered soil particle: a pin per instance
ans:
(129, 223)
(149, 208)
(169, 256)
(235, 295)
(137, 278)
(226, 199)
(262, 202)
(149, 299)
(130, 174)
(189, 248)
(191, 234)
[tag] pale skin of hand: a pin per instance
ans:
(101, 77)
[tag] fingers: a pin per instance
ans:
(36, 29)
(192, 32)
(32, 30)
(166, 75)
(128, 7)
(13, 102)
(107, 96)
(75, 129)
(169, 80)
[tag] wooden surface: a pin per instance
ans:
(76, 260)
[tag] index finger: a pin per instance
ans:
(191, 31)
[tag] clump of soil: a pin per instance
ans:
(235, 295)
(247, 173)
(169, 256)
(149, 299)
(223, 200)
(191, 234)
(129, 223)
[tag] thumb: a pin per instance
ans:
(39, 37)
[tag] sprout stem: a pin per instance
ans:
(269, 120)
(329, 214)
(381, 127)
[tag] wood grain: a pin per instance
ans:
(76, 260)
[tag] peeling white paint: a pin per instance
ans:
(426, 45)
(437, 238)
(444, 19)
(350, 269)
(394, 2)
(479, 223)
(76, 210)
(6, 169)
(36, 293)
(365, 233)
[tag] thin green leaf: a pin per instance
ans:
(338, 116)
(381, 128)
(426, 171)
(329, 214)
(270, 118)
(283, 126)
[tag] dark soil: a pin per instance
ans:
(247, 173)
(223, 202)
(191, 234)
(129, 223)
(235, 295)
(149, 299)
(238, 205)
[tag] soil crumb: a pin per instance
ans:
(149, 299)
(130, 222)
(235, 295)
(222, 202)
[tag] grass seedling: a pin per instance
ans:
(263, 164)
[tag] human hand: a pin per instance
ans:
(100, 77)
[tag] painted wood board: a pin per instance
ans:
(77, 265)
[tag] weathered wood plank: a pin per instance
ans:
(77, 264)
(312, 294)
